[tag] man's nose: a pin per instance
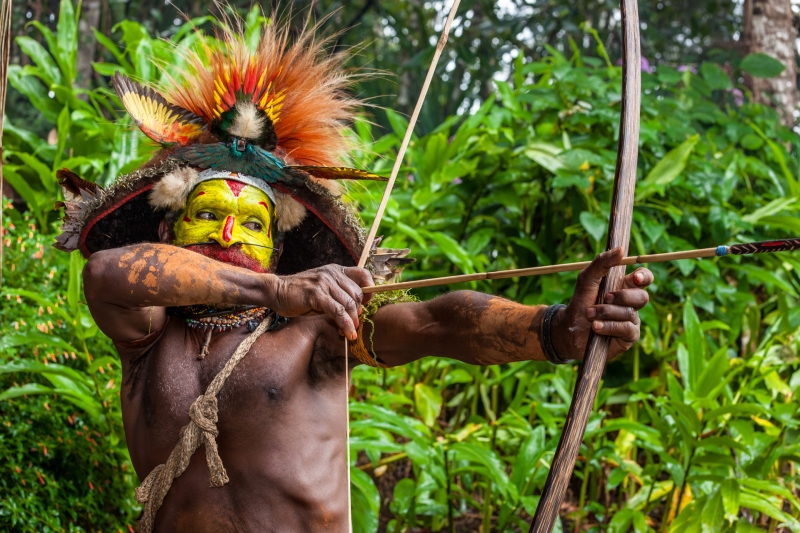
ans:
(225, 238)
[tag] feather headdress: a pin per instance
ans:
(273, 114)
(276, 111)
(294, 90)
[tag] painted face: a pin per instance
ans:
(236, 216)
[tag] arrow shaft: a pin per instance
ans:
(536, 271)
(781, 245)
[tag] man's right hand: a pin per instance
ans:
(332, 290)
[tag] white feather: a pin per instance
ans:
(289, 211)
(248, 122)
(171, 191)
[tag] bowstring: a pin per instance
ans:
(5, 56)
(382, 207)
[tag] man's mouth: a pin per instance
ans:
(232, 255)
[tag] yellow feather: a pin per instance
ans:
(260, 82)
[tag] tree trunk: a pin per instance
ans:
(768, 29)
(87, 44)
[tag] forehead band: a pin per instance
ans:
(214, 174)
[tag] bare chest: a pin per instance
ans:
(281, 382)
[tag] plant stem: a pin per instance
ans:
(451, 526)
(584, 487)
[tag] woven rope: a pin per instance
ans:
(201, 431)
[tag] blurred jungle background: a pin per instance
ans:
(695, 429)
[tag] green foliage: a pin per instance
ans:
(762, 65)
(90, 135)
(695, 429)
(702, 412)
(62, 449)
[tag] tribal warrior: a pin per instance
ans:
(223, 270)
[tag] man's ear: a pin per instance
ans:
(165, 231)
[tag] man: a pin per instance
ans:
(194, 259)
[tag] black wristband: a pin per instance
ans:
(546, 340)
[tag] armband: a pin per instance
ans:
(357, 347)
(359, 350)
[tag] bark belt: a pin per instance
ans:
(201, 431)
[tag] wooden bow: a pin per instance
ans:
(619, 231)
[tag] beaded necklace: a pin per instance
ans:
(227, 321)
(210, 319)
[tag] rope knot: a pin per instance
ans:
(203, 413)
(201, 431)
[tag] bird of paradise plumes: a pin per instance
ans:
(298, 83)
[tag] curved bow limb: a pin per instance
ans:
(619, 229)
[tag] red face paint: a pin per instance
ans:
(227, 232)
(187, 219)
(235, 187)
(201, 193)
(269, 228)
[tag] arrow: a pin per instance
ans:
(781, 245)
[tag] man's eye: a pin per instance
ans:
(205, 215)
(253, 226)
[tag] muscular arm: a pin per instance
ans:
(468, 326)
(481, 329)
(128, 289)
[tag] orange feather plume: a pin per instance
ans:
(297, 83)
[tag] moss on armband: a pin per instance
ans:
(357, 347)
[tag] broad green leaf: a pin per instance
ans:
(594, 224)
(33, 89)
(621, 521)
(729, 488)
(715, 77)
(405, 426)
(453, 251)
(427, 403)
(403, 496)
(64, 124)
(545, 155)
(398, 122)
(67, 40)
(761, 505)
(46, 175)
(778, 153)
(713, 373)
(642, 431)
(35, 367)
(76, 263)
(712, 515)
(616, 477)
(119, 55)
(762, 65)
(49, 70)
(489, 463)
(666, 170)
(31, 337)
(31, 197)
(365, 502)
(772, 487)
(527, 460)
(695, 345)
(751, 141)
(92, 408)
(28, 388)
(741, 409)
(772, 208)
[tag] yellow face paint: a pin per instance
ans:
(229, 213)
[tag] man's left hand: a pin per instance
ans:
(617, 317)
